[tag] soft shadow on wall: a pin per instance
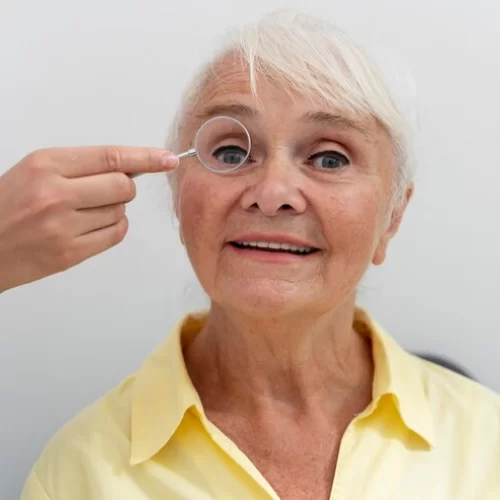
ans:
(446, 363)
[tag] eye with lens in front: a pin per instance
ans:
(230, 155)
(329, 160)
(222, 144)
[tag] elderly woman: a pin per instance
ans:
(284, 388)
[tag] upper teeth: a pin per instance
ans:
(275, 246)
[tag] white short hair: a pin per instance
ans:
(320, 61)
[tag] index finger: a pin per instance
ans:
(93, 160)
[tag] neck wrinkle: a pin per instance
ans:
(295, 364)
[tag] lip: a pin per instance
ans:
(270, 257)
(273, 238)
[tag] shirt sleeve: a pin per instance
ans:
(33, 490)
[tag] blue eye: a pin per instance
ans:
(329, 160)
(230, 155)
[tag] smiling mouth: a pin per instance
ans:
(272, 247)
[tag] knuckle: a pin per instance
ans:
(112, 159)
(52, 230)
(45, 199)
(152, 160)
(36, 159)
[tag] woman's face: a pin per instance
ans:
(317, 179)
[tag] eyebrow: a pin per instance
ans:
(323, 117)
(320, 117)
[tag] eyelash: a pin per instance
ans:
(332, 154)
(336, 154)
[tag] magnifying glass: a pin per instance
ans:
(222, 144)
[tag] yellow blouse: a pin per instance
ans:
(428, 434)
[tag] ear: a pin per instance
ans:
(180, 235)
(395, 221)
(176, 207)
(179, 225)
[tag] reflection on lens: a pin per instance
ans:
(222, 144)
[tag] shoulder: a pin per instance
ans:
(464, 408)
(94, 439)
(457, 391)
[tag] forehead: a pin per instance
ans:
(230, 75)
(227, 89)
(230, 82)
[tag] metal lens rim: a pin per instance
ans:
(232, 169)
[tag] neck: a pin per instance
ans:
(291, 364)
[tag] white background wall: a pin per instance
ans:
(104, 71)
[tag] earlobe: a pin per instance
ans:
(395, 222)
(380, 252)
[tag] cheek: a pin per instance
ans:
(194, 209)
(204, 201)
(353, 222)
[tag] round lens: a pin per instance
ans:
(222, 144)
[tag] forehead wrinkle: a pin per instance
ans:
(230, 108)
(214, 90)
(229, 79)
(226, 77)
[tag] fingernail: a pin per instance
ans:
(169, 160)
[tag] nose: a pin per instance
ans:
(276, 188)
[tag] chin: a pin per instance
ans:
(264, 298)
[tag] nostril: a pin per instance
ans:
(272, 210)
